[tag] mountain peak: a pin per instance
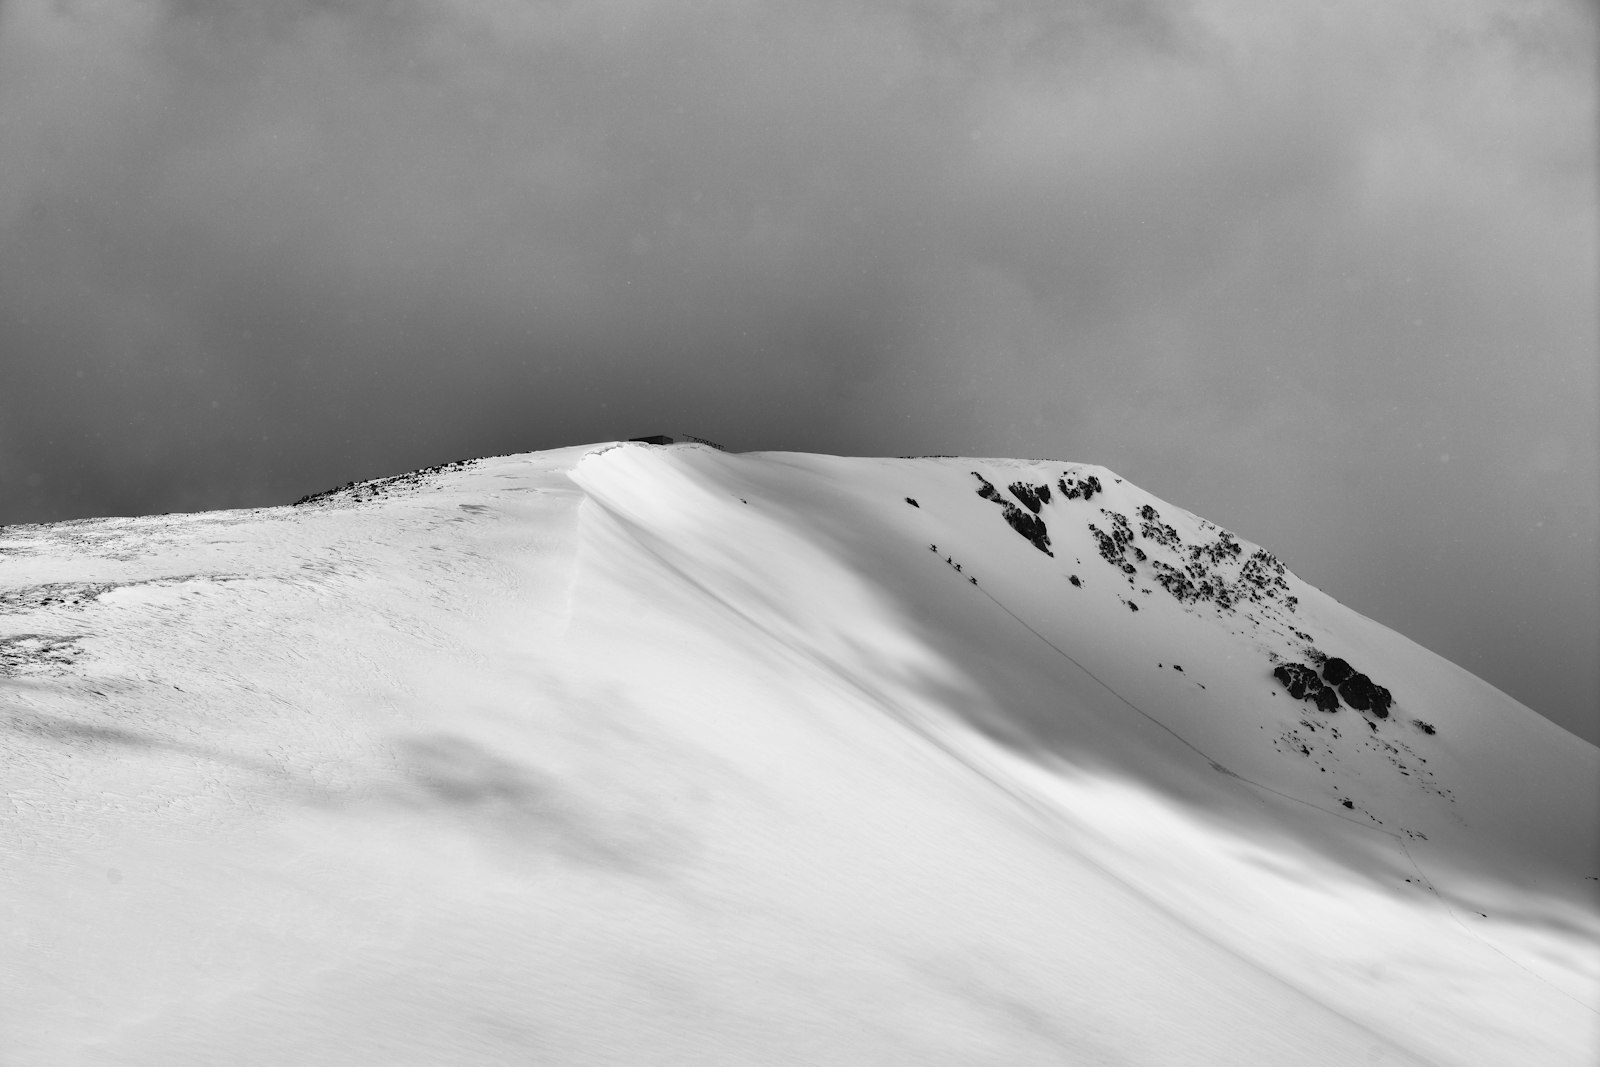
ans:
(629, 753)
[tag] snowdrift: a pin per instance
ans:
(627, 754)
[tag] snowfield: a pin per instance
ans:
(627, 754)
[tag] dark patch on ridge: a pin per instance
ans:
(377, 487)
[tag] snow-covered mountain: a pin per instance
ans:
(627, 754)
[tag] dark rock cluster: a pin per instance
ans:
(1114, 545)
(1303, 684)
(1216, 570)
(1197, 573)
(1033, 497)
(1030, 526)
(1074, 488)
(1026, 523)
(1359, 691)
(1337, 679)
(359, 491)
(1299, 679)
(1363, 694)
(1155, 530)
(1264, 571)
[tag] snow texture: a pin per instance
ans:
(626, 754)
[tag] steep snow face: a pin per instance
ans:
(632, 754)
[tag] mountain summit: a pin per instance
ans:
(654, 754)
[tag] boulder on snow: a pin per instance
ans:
(1363, 694)
(1300, 680)
(1336, 670)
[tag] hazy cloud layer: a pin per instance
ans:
(1323, 273)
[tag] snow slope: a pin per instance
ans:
(626, 754)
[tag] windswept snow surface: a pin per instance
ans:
(638, 755)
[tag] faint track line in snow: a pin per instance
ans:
(1399, 839)
(1428, 883)
(1045, 817)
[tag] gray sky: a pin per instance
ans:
(1324, 273)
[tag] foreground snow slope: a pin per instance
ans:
(624, 754)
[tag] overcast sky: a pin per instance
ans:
(1322, 272)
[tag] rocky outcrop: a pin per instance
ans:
(1326, 700)
(1358, 690)
(1033, 497)
(1336, 670)
(365, 492)
(1029, 525)
(1300, 680)
(1363, 694)
(1215, 571)
(1074, 488)
(1155, 530)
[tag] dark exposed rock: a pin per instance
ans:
(1110, 551)
(1338, 676)
(1121, 532)
(1336, 670)
(1303, 684)
(913, 503)
(1152, 527)
(1265, 572)
(1174, 582)
(1300, 680)
(377, 487)
(1032, 497)
(1360, 693)
(1030, 526)
(1074, 488)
